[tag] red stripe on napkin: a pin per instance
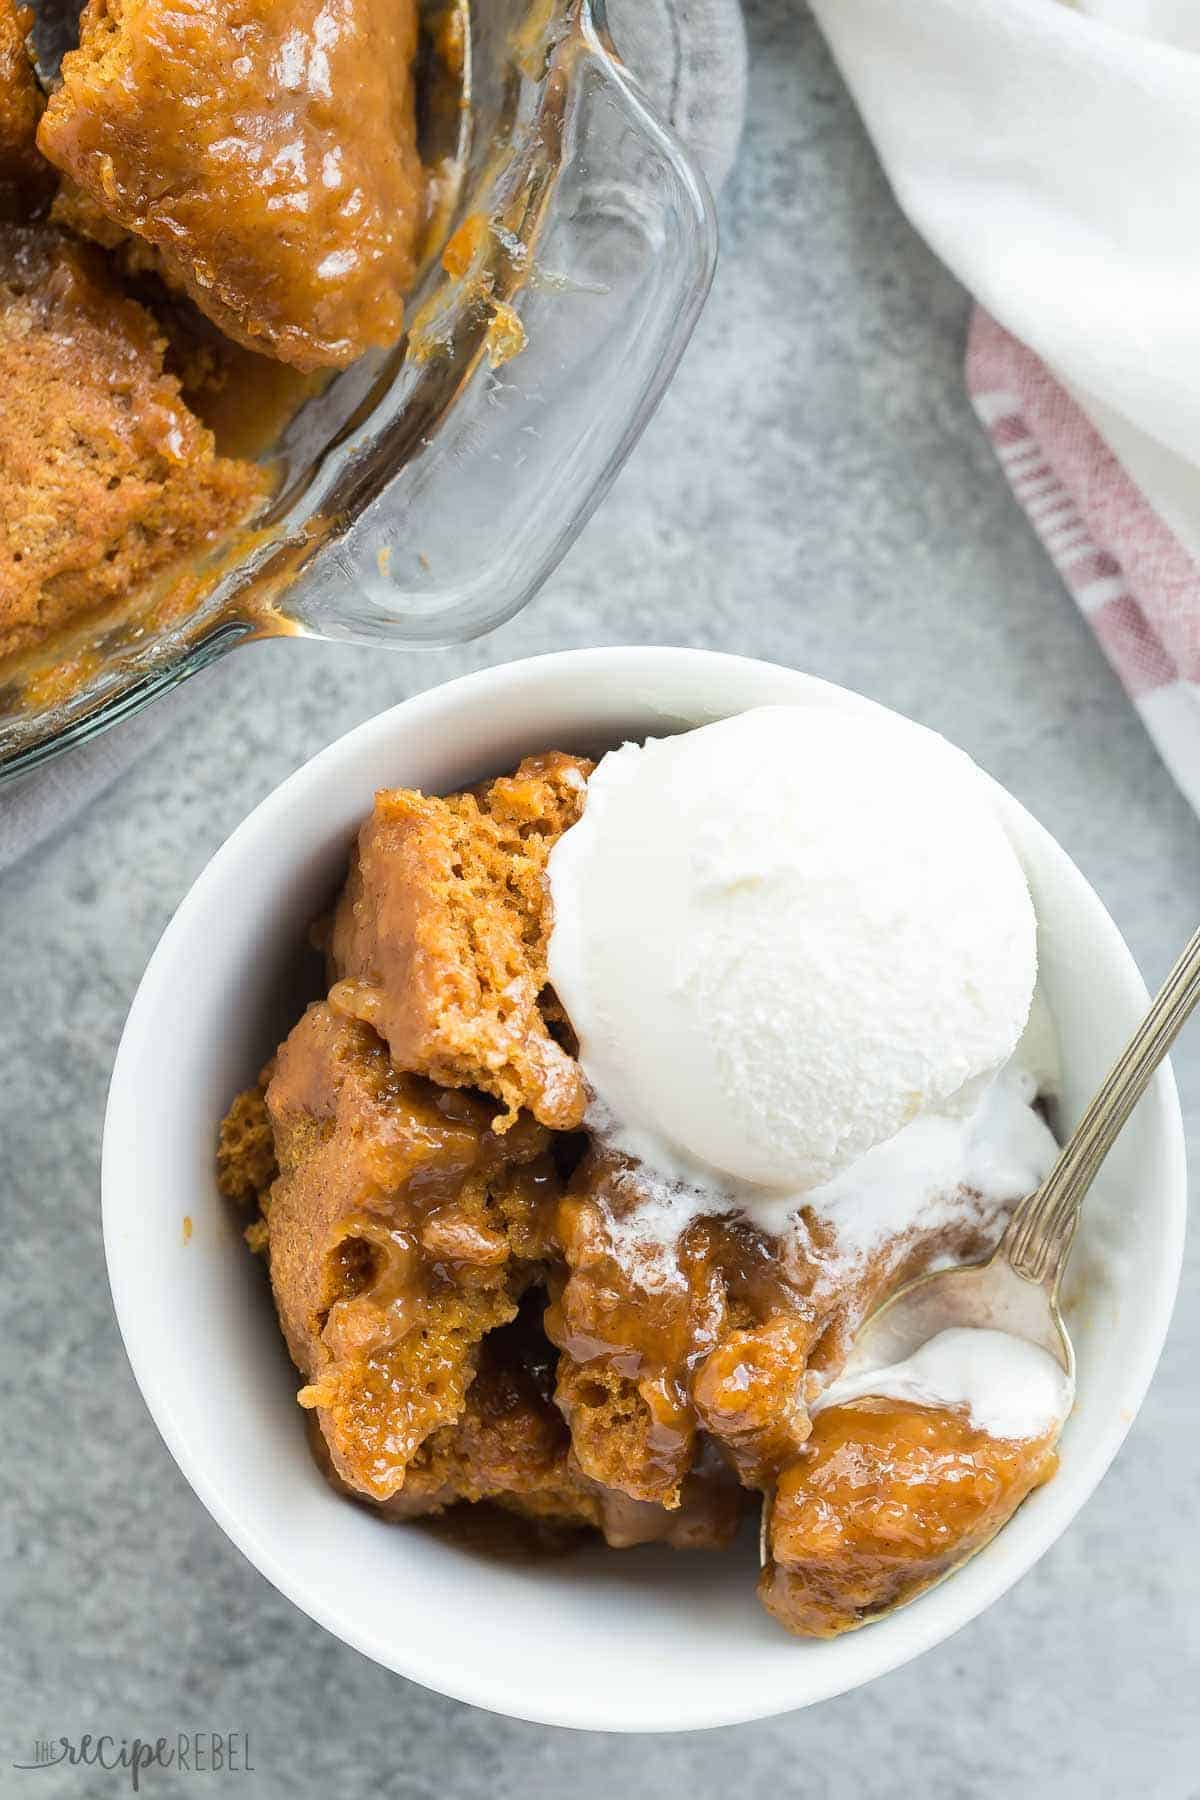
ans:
(1132, 579)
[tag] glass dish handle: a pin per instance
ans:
(530, 369)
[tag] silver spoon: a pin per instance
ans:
(1017, 1288)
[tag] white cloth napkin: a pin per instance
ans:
(1049, 151)
(1051, 156)
(690, 55)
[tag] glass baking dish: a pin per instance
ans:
(428, 491)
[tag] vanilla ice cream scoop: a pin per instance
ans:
(783, 937)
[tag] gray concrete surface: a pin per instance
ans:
(814, 490)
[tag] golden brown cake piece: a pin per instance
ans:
(26, 181)
(439, 939)
(401, 1229)
(510, 1448)
(265, 151)
(662, 1343)
(408, 1246)
(107, 481)
(510, 1445)
(884, 1498)
(727, 1332)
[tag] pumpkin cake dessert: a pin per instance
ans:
(501, 1290)
(263, 156)
(884, 1499)
(439, 940)
(107, 479)
(235, 200)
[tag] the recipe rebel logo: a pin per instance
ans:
(183, 1753)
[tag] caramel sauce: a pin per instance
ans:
(716, 1340)
(266, 156)
(884, 1499)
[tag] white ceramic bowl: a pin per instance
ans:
(643, 1640)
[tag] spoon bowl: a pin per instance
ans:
(1017, 1289)
(990, 1295)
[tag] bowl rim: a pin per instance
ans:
(495, 1689)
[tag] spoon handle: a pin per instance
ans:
(1039, 1237)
